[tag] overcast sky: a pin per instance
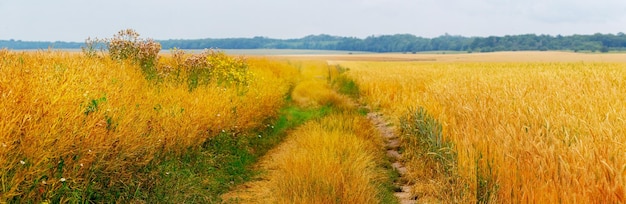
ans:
(75, 20)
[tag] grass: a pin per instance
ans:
(346, 86)
(224, 161)
(310, 176)
(82, 129)
(335, 158)
(77, 128)
(331, 160)
(542, 132)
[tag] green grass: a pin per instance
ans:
(386, 186)
(422, 135)
(224, 161)
(346, 86)
(200, 175)
(203, 174)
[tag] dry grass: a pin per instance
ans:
(313, 89)
(336, 159)
(69, 122)
(333, 160)
(527, 132)
(328, 162)
(314, 94)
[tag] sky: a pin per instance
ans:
(75, 20)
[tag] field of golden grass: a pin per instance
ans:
(336, 158)
(75, 125)
(89, 128)
(525, 127)
(541, 127)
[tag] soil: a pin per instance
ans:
(393, 146)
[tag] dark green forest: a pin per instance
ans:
(383, 43)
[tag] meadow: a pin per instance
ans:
(133, 125)
(492, 129)
(77, 123)
(337, 157)
(136, 125)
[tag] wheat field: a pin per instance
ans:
(541, 131)
(530, 132)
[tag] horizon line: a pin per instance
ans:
(322, 34)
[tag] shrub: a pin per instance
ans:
(126, 44)
(92, 45)
(210, 66)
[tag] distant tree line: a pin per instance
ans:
(24, 45)
(383, 43)
(596, 42)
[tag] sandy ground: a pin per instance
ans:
(393, 146)
(521, 56)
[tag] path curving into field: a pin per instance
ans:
(392, 143)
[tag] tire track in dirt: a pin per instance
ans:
(403, 192)
(254, 191)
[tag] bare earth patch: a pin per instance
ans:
(519, 56)
(393, 145)
(255, 191)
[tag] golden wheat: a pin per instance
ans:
(543, 132)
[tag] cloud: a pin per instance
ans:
(160, 19)
(576, 11)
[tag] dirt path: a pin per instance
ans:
(256, 191)
(393, 145)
